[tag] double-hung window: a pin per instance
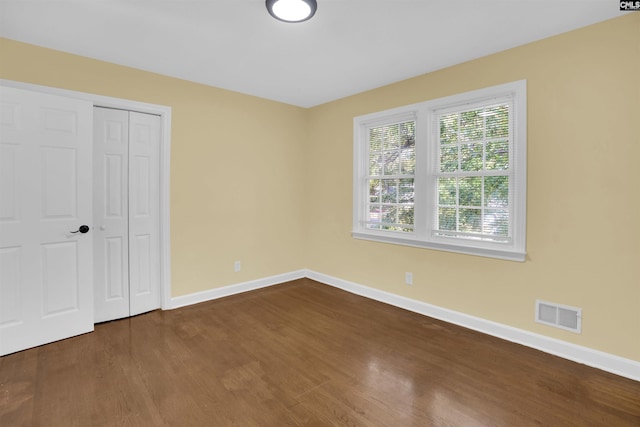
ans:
(391, 175)
(447, 174)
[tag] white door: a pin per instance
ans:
(144, 212)
(111, 210)
(127, 212)
(46, 266)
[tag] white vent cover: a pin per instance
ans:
(559, 316)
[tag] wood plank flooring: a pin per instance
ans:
(302, 354)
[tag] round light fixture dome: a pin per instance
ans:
(292, 10)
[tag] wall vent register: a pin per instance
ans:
(559, 316)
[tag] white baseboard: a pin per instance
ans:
(607, 362)
(197, 297)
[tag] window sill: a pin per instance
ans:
(468, 250)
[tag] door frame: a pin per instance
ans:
(165, 162)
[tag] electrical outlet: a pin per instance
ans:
(408, 278)
(236, 266)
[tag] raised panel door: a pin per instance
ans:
(144, 213)
(46, 280)
(111, 272)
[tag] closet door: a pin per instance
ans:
(127, 206)
(144, 212)
(46, 248)
(111, 210)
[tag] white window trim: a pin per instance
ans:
(426, 162)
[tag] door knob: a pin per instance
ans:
(83, 229)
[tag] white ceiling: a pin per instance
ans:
(348, 47)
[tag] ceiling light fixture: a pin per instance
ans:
(292, 10)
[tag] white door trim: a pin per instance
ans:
(165, 157)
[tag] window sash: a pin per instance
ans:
(390, 150)
(492, 128)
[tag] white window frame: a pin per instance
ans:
(425, 187)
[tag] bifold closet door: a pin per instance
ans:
(126, 206)
(144, 212)
(46, 248)
(111, 211)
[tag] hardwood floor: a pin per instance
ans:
(302, 354)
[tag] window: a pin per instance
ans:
(390, 178)
(446, 174)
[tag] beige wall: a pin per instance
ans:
(271, 184)
(583, 204)
(235, 163)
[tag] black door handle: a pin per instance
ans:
(83, 229)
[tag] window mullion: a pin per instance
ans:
(424, 174)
